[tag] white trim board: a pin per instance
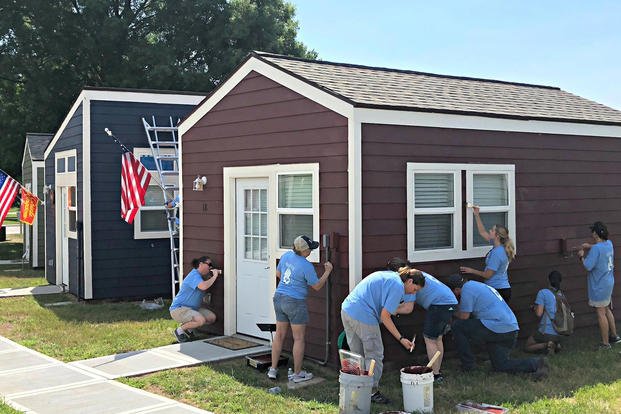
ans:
(87, 247)
(35, 225)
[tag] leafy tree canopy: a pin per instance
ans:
(51, 49)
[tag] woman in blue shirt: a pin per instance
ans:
(295, 273)
(598, 260)
(545, 337)
(497, 260)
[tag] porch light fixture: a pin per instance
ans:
(199, 183)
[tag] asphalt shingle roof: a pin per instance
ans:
(408, 90)
(37, 143)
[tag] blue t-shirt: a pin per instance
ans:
(189, 295)
(379, 290)
(546, 298)
(600, 264)
(498, 261)
(296, 274)
(486, 304)
(433, 293)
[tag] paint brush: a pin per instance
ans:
(413, 339)
(371, 368)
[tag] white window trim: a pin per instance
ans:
(139, 234)
(509, 172)
(437, 254)
(457, 252)
(313, 211)
(67, 179)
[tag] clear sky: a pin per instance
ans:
(571, 44)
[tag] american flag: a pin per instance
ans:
(8, 191)
(134, 183)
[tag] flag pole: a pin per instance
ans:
(125, 149)
(20, 187)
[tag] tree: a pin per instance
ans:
(51, 49)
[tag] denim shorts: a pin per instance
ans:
(290, 310)
(437, 320)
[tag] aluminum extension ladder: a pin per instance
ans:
(164, 144)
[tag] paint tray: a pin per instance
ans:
(480, 408)
(264, 361)
(351, 363)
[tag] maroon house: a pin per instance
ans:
(383, 161)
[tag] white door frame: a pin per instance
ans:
(62, 180)
(230, 175)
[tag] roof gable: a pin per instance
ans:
(36, 144)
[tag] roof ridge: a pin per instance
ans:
(260, 54)
(138, 90)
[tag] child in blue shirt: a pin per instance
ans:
(545, 337)
(598, 260)
(497, 260)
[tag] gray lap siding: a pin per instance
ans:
(124, 267)
(563, 184)
(259, 123)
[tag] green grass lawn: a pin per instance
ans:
(12, 248)
(16, 276)
(5, 409)
(12, 217)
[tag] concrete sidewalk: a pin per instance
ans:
(37, 384)
(29, 291)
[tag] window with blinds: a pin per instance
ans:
(294, 208)
(440, 227)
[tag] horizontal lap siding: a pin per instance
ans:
(563, 184)
(70, 138)
(122, 266)
(259, 123)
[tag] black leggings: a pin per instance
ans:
(505, 293)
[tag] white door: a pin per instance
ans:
(64, 225)
(255, 278)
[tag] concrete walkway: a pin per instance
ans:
(38, 290)
(37, 384)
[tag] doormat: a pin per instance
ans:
(231, 342)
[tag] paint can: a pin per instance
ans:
(417, 383)
(355, 393)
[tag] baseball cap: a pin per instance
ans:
(302, 243)
(455, 281)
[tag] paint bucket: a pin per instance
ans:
(355, 393)
(417, 383)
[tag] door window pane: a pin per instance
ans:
(73, 214)
(60, 165)
(490, 190)
(489, 219)
(292, 226)
(153, 220)
(71, 164)
(433, 190)
(433, 231)
(71, 200)
(295, 191)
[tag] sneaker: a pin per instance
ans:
(603, 347)
(192, 336)
(181, 336)
(272, 373)
(301, 376)
(438, 378)
(543, 368)
(379, 398)
(614, 339)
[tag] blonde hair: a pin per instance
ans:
(505, 240)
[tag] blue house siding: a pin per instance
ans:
(121, 266)
(70, 138)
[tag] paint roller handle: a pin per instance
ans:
(371, 368)
(434, 359)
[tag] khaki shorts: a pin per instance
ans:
(185, 315)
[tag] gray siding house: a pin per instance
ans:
(33, 179)
(89, 248)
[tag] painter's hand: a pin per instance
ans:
(216, 272)
(464, 269)
(475, 210)
(328, 266)
(581, 253)
(406, 343)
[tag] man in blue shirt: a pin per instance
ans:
(484, 318)
(599, 262)
(186, 306)
(371, 303)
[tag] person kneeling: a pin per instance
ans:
(186, 306)
(545, 338)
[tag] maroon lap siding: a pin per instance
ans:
(563, 184)
(259, 123)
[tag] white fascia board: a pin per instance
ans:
(123, 96)
(483, 123)
(26, 149)
(291, 82)
(87, 261)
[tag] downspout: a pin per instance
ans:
(327, 240)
